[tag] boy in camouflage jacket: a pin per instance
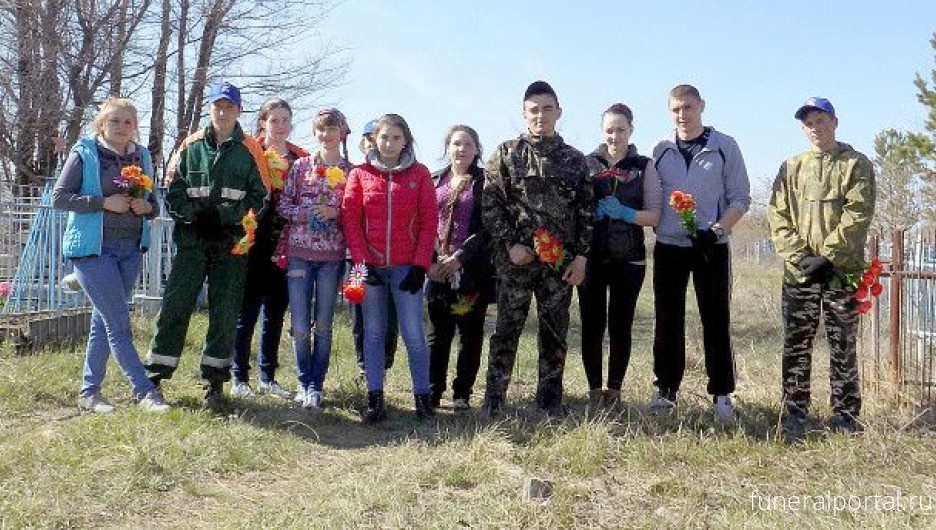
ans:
(535, 182)
(820, 210)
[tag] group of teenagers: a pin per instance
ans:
(539, 219)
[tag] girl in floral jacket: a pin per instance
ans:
(314, 247)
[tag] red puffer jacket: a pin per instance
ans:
(389, 215)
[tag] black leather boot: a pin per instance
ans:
(424, 407)
(376, 410)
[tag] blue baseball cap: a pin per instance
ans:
(822, 104)
(369, 127)
(224, 90)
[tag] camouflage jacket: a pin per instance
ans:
(821, 205)
(534, 182)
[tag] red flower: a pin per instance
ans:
(320, 171)
(864, 307)
(868, 277)
(861, 292)
(877, 289)
(353, 291)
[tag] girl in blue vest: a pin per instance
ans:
(105, 237)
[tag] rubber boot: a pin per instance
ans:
(376, 410)
(424, 407)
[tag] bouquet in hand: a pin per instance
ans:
(464, 304)
(548, 248)
(353, 288)
(249, 222)
(685, 207)
(866, 285)
(133, 182)
(278, 167)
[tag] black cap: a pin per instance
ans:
(539, 87)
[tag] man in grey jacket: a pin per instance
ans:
(708, 165)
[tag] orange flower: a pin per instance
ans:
(133, 182)
(685, 207)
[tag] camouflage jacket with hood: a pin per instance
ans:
(821, 205)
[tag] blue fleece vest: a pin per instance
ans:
(84, 232)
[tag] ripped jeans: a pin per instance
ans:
(308, 281)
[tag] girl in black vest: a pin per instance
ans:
(628, 197)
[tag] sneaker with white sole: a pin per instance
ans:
(274, 389)
(724, 410)
(300, 396)
(95, 403)
(313, 400)
(241, 390)
(660, 404)
(153, 401)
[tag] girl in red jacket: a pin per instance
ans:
(389, 216)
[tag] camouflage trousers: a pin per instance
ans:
(803, 305)
(516, 288)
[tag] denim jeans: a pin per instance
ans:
(409, 308)
(308, 280)
(266, 296)
(108, 280)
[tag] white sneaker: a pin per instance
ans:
(661, 405)
(95, 403)
(313, 400)
(724, 411)
(153, 402)
(300, 396)
(241, 390)
(274, 389)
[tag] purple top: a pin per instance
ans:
(460, 214)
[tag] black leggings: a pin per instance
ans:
(599, 310)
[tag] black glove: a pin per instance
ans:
(372, 278)
(816, 268)
(414, 279)
(207, 223)
(705, 239)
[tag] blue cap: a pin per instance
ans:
(822, 104)
(369, 127)
(224, 90)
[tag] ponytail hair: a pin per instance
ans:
(332, 117)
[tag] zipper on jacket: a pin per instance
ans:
(389, 215)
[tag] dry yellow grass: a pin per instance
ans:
(263, 464)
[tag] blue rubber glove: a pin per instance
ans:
(613, 208)
(601, 211)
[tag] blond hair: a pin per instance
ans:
(110, 106)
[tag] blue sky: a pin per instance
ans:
(469, 61)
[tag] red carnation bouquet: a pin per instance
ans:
(867, 287)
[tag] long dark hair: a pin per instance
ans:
(470, 132)
(267, 108)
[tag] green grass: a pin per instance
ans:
(264, 464)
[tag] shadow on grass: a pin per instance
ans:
(339, 424)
